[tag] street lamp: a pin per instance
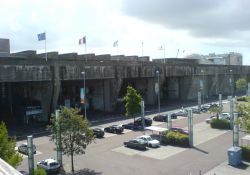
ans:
(158, 90)
(84, 100)
(203, 84)
(231, 82)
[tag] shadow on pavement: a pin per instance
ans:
(242, 166)
(200, 150)
(84, 171)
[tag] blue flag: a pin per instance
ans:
(41, 36)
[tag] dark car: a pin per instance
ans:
(136, 143)
(114, 129)
(132, 126)
(180, 130)
(148, 121)
(164, 117)
(23, 148)
(24, 172)
(98, 132)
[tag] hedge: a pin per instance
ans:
(246, 153)
(244, 98)
(175, 138)
(220, 123)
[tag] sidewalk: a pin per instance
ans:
(226, 169)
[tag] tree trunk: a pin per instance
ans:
(134, 119)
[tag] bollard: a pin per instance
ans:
(190, 127)
(58, 139)
(142, 114)
(169, 124)
(30, 154)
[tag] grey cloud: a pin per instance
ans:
(201, 18)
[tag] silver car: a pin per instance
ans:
(50, 165)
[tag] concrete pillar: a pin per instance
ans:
(235, 130)
(115, 89)
(56, 86)
(231, 111)
(199, 101)
(30, 154)
(107, 105)
(190, 127)
(150, 95)
(46, 92)
(58, 138)
(169, 124)
(142, 114)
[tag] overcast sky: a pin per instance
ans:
(196, 26)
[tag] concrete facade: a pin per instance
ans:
(27, 75)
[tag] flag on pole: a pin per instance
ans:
(41, 36)
(115, 44)
(82, 40)
(161, 48)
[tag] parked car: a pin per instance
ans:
(180, 130)
(182, 112)
(50, 165)
(195, 110)
(164, 117)
(137, 144)
(98, 132)
(114, 129)
(150, 142)
(223, 115)
(148, 121)
(132, 126)
(23, 148)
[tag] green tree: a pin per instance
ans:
(215, 110)
(241, 84)
(7, 148)
(132, 102)
(75, 132)
(244, 119)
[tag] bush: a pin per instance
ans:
(244, 98)
(246, 153)
(39, 171)
(220, 123)
(176, 139)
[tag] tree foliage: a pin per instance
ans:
(7, 148)
(75, 132)
(132, 102)
(244, 119)
(215, 110)
(241, 84)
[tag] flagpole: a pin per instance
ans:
(45, 47)
(85, 48)
(117, 49)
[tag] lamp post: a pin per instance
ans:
(231, 83)
(203, 85)
(84, 100)
(158, 90)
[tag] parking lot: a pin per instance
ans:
(109, 156)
